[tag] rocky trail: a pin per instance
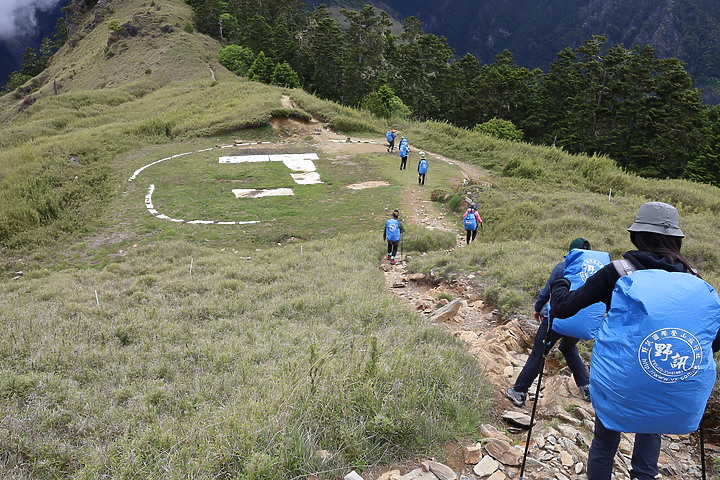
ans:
(563, 426)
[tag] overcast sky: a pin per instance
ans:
(18, 17)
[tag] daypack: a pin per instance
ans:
(469, 220)
(652, 368)
(579, 266)
(403, 150)
(390, 137)
(392, 230)
(423, 167)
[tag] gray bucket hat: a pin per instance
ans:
(657, 217)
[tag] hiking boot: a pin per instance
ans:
(585, 389)
(392, 261)
(389, 256)
(518, 398)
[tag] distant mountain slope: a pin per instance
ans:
(536, 30)
(115, 43)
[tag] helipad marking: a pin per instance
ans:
(151, 208)
(297, 162)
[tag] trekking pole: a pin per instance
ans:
(548, 346)
(702, 450)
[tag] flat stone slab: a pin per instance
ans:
(244, 159)
(306, 178)
(287, 158)
(371, 184)
(254, 193)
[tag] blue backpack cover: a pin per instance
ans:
(652, 368)
(579, 266)
(469, 220)
(392, 230)
(390, 137)
(403, 150)
(423, 167)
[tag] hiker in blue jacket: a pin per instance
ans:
(391, 140)
(403, 151)
(657, 236)
(568, 346)
(392, 233)
(422, 168)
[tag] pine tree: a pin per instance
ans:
(364, 55)
(384, 103)
(285, 76)
(321, 56)
(262, 69)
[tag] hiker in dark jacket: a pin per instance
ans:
(568, 346)
(657, 236)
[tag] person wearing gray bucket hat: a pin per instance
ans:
(657, 217)
(657, 236)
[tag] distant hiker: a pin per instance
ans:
(392, 234)
(652, 369)
(568, 346)
(471, 222)
(403, 141)
(390, 135)
(422, 168)
(403, 151)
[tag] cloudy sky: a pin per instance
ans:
(18, 18)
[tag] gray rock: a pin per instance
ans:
(447, 312)
(486, 466)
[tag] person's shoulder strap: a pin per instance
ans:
(623, 267)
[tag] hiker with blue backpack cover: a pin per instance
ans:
(403, 151)
(546, 338)
(422, 168)
(390, 136)
(471, 222)
(392, 233)
(652, 369)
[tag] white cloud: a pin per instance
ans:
(18, 17)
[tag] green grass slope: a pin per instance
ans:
(143, 348)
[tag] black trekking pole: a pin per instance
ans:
(549, 342)
(702, 450)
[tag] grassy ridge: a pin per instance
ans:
(246, 368)
(241, 367)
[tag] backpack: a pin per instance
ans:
(579, 266)
(469, 220)
(652, 368)
(390, 137)
(423, 167)
(392, 230)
